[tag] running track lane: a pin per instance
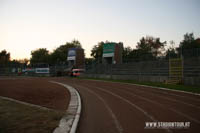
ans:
(115, 107)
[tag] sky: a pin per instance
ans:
(27, 25)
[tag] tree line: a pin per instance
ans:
(151, 48)
(148, 48)
(59, 55)
(41, 55)
(5, 60)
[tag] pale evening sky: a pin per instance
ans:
(26, 25)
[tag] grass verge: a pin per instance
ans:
(19, 118)
(194, 89)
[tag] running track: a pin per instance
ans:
(123, 108)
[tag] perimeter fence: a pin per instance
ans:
(185, 66)
(156, 70)
(34, 70)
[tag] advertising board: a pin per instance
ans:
(108, 49)
(71, 54)
(41, 70)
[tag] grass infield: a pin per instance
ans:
(194, 89)
(19, 118)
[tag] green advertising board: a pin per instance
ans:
(108, 49)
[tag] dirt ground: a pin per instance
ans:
(37, 91)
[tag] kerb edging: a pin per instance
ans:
(69, 122)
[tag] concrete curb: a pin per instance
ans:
(69, 122)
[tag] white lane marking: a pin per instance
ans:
(154, 102)
(170, 99)
(117, 124)
(165, 92)
(180, 113)
(191, 93)
(186, 116)
(164, 97)
(179, 96)
(135, 106)
(188, 104)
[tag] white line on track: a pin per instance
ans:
(159, 104)
(153, 87)
(170, 99)
(186, 116)
(188, 104)
(117, 124)
(154, 102)
(133, 105)
(167, 92)
(164, 97)
(178, 95)
(182, 114)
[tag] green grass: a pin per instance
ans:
(194, 89)
(19, 118)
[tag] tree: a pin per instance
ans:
(130, 55)
(40, 55)
(97, 51)
(89, 61)
(188, 45)
(189, 42)
(4, 57)
(24, 62)
(60, 54)
(171, 51)
(150, 48)
(127, 53)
